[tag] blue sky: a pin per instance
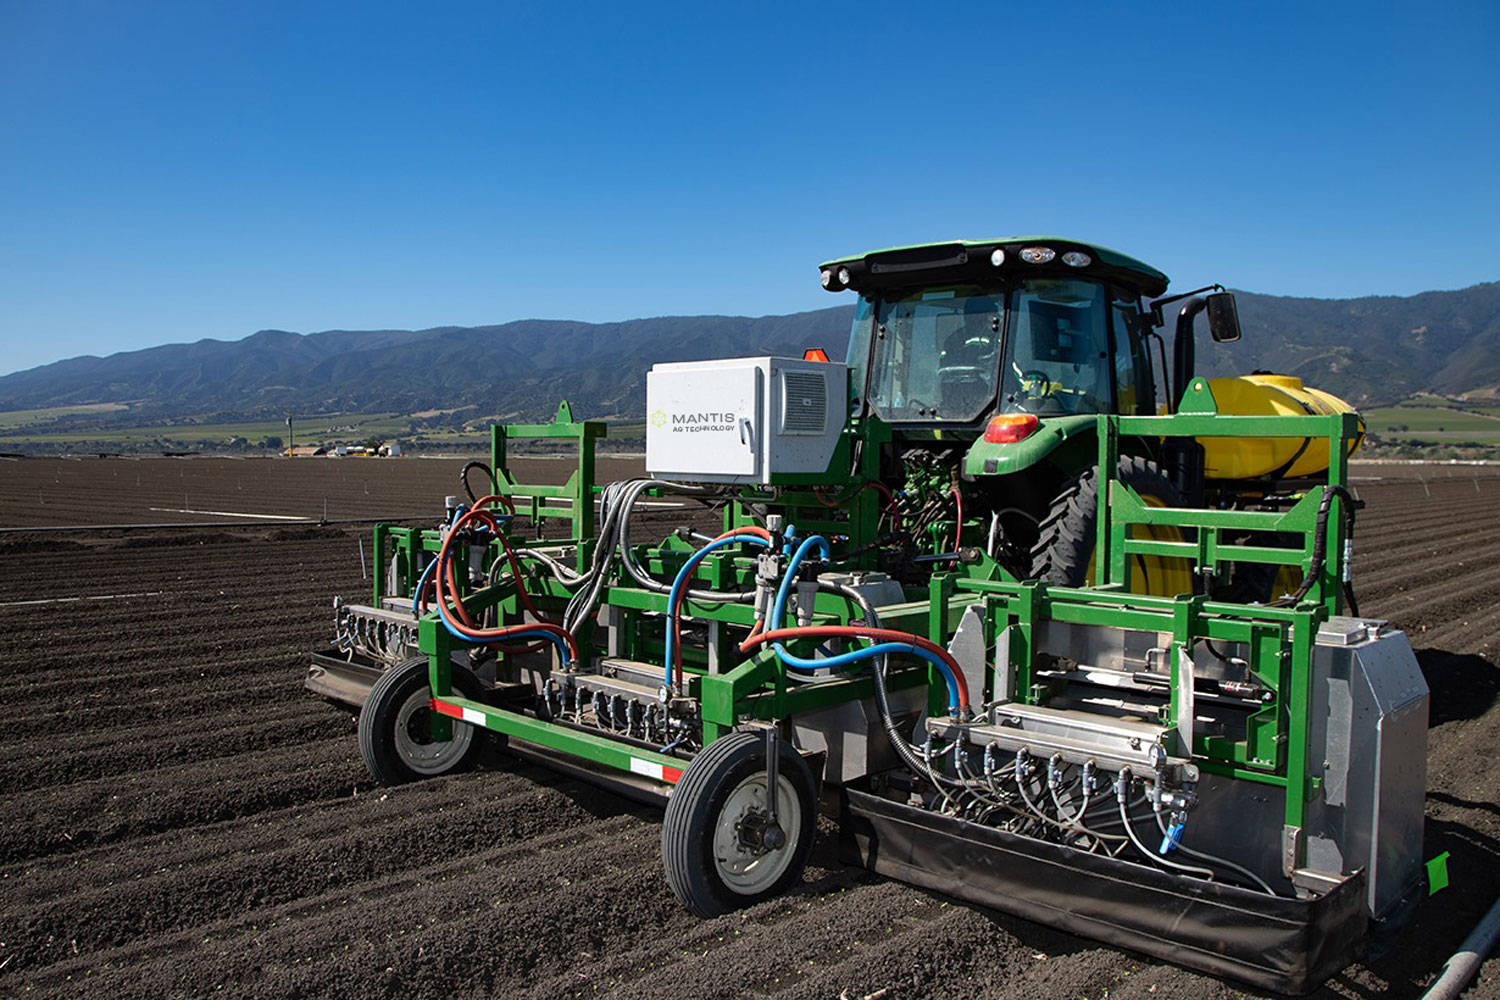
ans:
(172, 171)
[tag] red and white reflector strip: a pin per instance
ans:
(468, 715)
(648, 768)
(654, 771)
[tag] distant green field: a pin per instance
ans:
(1423, 419)
(449, 438)
(1424, 399)
(22, 418)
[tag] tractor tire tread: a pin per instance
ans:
(1065, 540)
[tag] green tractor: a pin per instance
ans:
(991, 360)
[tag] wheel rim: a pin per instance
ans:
(416, 747)
(745, 869)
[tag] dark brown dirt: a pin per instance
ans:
(178, 818)
(252, 490)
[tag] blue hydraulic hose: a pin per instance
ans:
(778, 611)
(416, 595)
(867, 652)
(681, 581)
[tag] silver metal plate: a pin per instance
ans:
(1078, 736)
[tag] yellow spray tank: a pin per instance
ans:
(1270, 395)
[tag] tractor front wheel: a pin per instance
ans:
(395, 737)
(719, 849)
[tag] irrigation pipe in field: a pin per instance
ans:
(1464, 963)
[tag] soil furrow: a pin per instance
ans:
(72, 757)
(255, 685)
(71, 817)
(367, 851)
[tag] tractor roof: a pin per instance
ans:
(954, 261)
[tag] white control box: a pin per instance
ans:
(743, 420)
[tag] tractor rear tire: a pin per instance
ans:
(710, 866)
(1064, 551)
(393, 727)
(1263, 583)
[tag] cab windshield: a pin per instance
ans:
(1058, 361)
(936, 355)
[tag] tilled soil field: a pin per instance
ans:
(178, 817)
(92, 491)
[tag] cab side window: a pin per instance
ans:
(1133, 389)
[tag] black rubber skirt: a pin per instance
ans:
(1286, 945)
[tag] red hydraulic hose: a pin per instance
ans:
(746, 529)
(865, 632)
(485, 517)
(760, 623)
(463, 611)
(459, 607)
(447, 567)
(466, 628)
(458, 604)
(493, 497)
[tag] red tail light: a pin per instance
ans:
(815, 354)
(1009, 427)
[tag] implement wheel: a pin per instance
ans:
(1064, 552)
(394, 737)
(717, 849)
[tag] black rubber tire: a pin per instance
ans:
(394, 703)
(1066, 538)
(696, 807)
(1262, 583)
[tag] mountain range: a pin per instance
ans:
(1370, 350)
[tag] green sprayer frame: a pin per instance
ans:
(1276, 643)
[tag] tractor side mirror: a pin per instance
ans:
(1223, 317)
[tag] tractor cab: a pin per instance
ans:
(953, 334)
